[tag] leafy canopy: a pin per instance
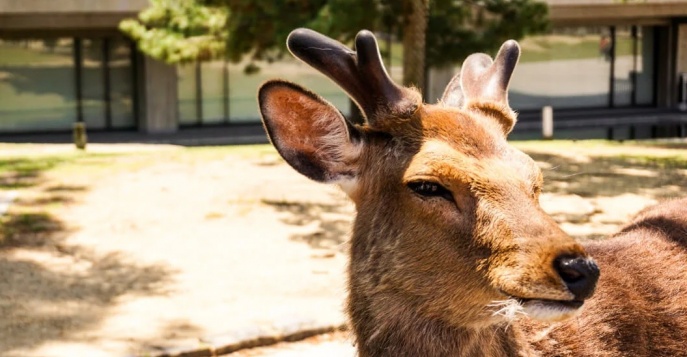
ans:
(178, 31)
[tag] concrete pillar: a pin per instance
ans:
(681, 64)
(666, 57)
(682, 48)
(159, 98)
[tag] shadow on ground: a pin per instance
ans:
(327, 225)
(51, 290)
(24, 172)
(656, 178)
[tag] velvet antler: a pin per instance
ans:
(483, 84)
(359, 72)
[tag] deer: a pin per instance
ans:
(451, 253)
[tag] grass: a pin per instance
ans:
(26, 223)
(51, 176)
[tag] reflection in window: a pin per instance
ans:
(644, 89)
(243, 105)
(37, 85)
(92, 80)
(186, 91)
(212, 80)
(226, 89)
(569, 68)
(624, 67)
(121, 84)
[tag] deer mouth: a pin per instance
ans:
(550, 310)
(538, 309)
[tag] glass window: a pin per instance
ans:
(212, 87)
(569, 68)
(243, 105)
(186, 91)
(92, 80)
(121, 84)
(37, 85)
(624, 67)
(645, 66)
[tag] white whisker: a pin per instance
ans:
(509, 309)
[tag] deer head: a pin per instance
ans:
(448, 224)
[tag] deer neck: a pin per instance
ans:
(386, 327)
(386, 323)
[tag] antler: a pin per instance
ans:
(487, 80)
(483, 83)
(360, 73)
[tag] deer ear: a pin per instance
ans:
(309, 132)
(485, 80)
(482, 84)
(453, 94)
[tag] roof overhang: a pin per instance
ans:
(576, 13)
(67, 23)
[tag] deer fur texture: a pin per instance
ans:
(451, 253)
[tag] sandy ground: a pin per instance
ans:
(173, 252)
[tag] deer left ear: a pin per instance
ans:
(482, 85)
(309, 132)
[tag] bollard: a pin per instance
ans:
(80, 137)
(547, 122)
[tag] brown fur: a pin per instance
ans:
(640, 306)
(410, 291)
(444, 275)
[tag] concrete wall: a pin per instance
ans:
(18, 16)
(682, 48)
(71, 6)
(590, 12)
(158, 97)
(681, 61)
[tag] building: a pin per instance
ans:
(608, 69)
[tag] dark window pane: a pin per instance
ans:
(188, 113)
(624, 66)
(37, 85)
(93, 92)
(243, 106)
(212, 79)
(645, 66)
(569, 68)
(121, 84)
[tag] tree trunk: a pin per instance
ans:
(414, 31)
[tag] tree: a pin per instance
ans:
(414, 39)
(186, 30)
(179, 31)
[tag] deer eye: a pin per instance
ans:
(430, 189)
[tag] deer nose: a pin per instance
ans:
(579, 274)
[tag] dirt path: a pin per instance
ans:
(171, 252)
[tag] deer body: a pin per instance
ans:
(451, 254)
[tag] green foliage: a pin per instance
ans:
(179, 31)
(458, 28)
(259, 27)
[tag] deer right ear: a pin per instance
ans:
(309, 132)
